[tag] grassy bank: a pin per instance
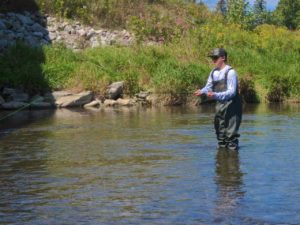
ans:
(266, 57)
(176, 68)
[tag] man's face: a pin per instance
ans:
(218, 61)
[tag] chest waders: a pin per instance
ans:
(228, 115)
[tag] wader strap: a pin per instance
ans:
(226, 75)
(212, 72)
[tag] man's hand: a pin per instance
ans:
(197, 93)
(210, 94)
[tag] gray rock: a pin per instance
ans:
(1, 100)
(90, 33)
(53, 96)
(115, 90)
(75, 100)
(110, 102)
(93, 104)
(14, 105)
(37, 98)
(2, 25)
(38, 34)
(126, 102)
(31, 28)
(3, 44)
(18, 97)
(41, 105)
(24, 19)
(37, 28)
(142, 95)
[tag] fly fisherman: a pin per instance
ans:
(222, 85)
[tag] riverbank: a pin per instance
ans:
(266, 59)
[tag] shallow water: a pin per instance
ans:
(149, 166)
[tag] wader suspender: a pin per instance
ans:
(226, 75)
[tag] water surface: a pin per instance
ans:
(149, 166)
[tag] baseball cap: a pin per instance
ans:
(218, 52)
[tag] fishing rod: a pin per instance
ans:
(20, 109)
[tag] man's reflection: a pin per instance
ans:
(229, 184)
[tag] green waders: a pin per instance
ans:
(228, 116)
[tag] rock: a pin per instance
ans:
(19, 97)
(24, 19)
(90, 33)
(41, 105)
(142, 95)
(93, 104)
(3, 44)
(126, 102)
(152, 99)
(36, 30)
(2, 25)
(9, 91)
(75, 100)
(38, 34)
(53, 96)
(1, 100)
(13, 105)
(14, 95)
(110, 102)
(37, 98)
(115, 90)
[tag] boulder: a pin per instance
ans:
(15, 95)
(110, 102)
(41, 105)
(142, 95)
(126, 102)
(13, 105)
(75, 99)
(115, 90)
(1, 100)
(53, 96)
(93, 104)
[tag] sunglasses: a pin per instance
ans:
(214, 58)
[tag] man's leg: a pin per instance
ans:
(233, 120)
(220, 125)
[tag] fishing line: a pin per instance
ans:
(20, 109)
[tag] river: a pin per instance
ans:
(149, 166)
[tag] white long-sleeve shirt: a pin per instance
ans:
(232, 83)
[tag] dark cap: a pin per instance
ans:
(218, 52)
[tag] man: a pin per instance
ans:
(222, 85)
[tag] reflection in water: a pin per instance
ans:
(229, 184)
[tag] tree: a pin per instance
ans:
(288, 13)
(222, 7)
(237, 11)
(260, 12)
